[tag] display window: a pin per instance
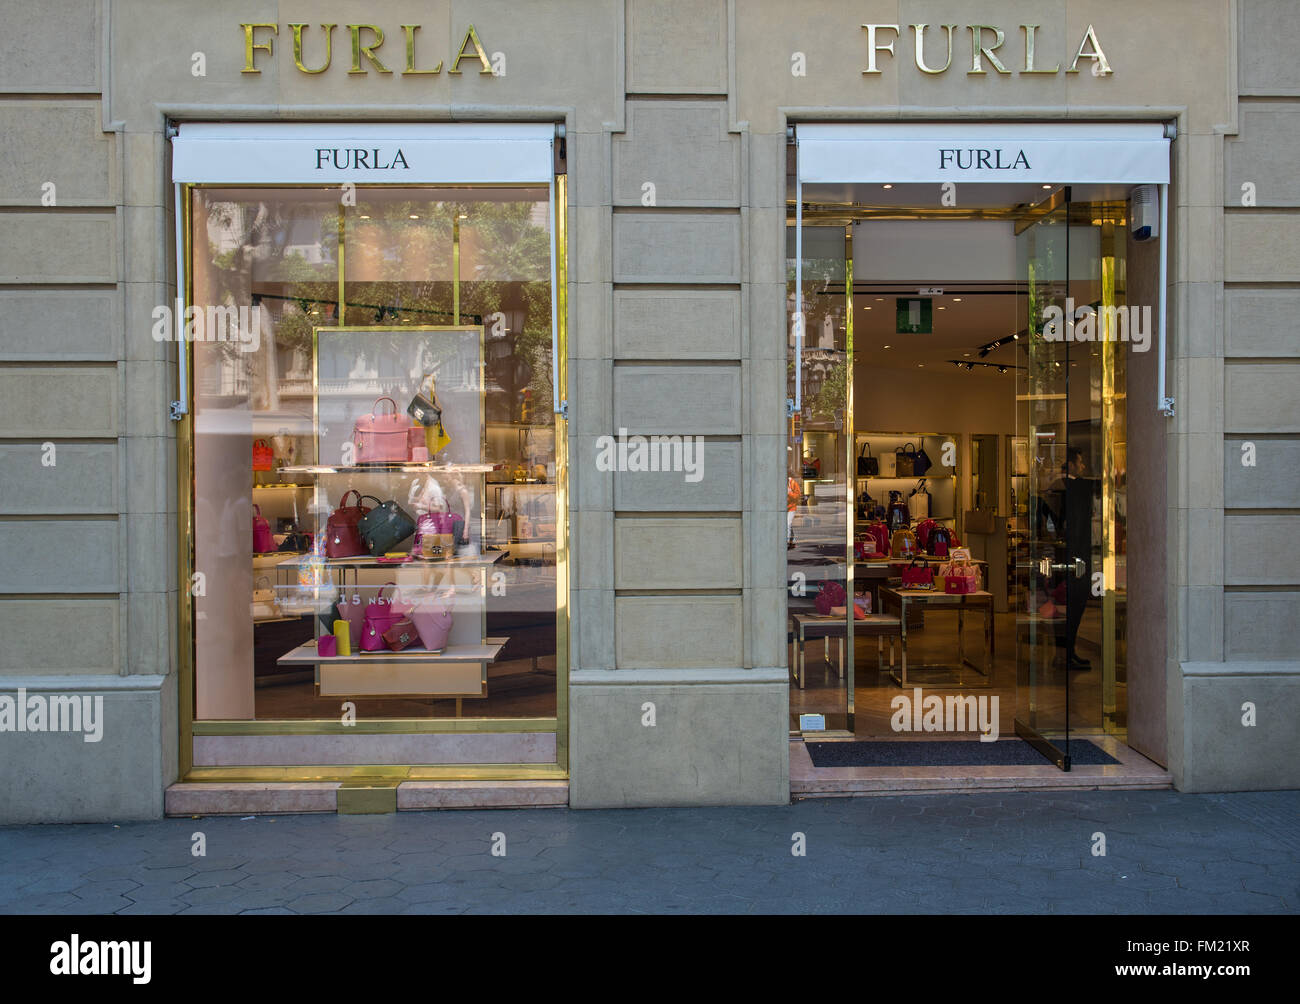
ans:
(378, 519)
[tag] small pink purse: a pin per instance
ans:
(383, 439)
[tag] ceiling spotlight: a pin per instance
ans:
(956, 299)
(464, 216)
(1015, 338)
(1047, 187)
(965, 353)
(365, 216)
(866, 308)
(414, 216)
(1002, 369)
(943, 308)
(886, 186)
(887, 346)
(880, 299)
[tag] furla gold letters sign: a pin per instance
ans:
(313, 50)
(985, 41)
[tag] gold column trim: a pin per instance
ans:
(850, 482)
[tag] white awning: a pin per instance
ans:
(1008, 153)
(367, 153)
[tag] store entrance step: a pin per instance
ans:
(246, 798)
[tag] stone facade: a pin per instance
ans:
(676, 322)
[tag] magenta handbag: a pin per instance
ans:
(263, 542)
(382, 439)
(380, 615)
(432, 618)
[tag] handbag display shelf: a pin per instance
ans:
(940, 481)
(369, 444)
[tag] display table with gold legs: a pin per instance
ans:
(899, 599)
(814, 626)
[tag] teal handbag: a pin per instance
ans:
(384, 527)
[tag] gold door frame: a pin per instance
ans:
(186, 656)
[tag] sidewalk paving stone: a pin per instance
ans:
(1021, 852)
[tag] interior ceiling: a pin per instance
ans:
(968, 314)
(964, 195)
(964, 318)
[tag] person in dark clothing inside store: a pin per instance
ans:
(1073, 498)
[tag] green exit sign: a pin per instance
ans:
(913, 315)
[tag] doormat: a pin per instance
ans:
(1011, 752)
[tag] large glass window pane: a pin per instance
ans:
(302, 423)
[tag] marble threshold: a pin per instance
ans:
(1134, 771)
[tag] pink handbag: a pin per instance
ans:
(432, 618)
(438, 523)
(961, 576)
(263, 542)
(380, 615)
(352, 609)
(383, 439)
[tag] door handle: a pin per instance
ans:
(1078, 566)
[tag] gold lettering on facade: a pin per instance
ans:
(471, 36)
(919, 29)
(410, 30)
(358, 50)
(873, 46)
(297, 47)
(978, 48)
(250, 45)
(1101, 67)
(1030, 30)
(1089, 48)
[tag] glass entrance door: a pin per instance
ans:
(1048, 572)
(820, 479)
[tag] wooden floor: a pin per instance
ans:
(937, 644)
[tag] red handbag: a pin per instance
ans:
(401, 635)
(382, 439)
(881, 533)
(263, 458)
(342, 536)
(918, 575)
(831, 595)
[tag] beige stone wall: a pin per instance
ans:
(86, 583)
(1240, 376)
(676, 326)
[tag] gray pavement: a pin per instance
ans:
(1166, 852)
